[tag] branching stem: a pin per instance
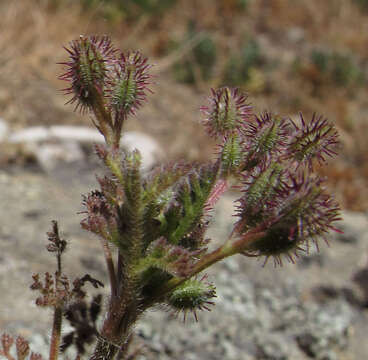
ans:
(224, 251)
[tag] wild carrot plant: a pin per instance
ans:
(156, 221)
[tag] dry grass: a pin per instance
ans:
(31, 40)
(32, 32)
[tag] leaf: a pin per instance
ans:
(158, 192)
(189, 205)
(172, 259)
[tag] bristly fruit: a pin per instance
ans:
(299, 212)
(266, 135)
(259, 186)
(111, 85)
(313, 141)
(191, 296)
(227, 113)
(87, 69)
(129, 85)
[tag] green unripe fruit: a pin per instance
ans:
(191, 296)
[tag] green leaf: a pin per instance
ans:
(158, 193)
(172, 259)
(189, 205)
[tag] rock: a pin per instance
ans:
(326, 329)
(4, 129)
(295, 34)
(150, 150)
(30, 135)
(49, 156)
(272, 347)
(81, 134)
(352, 226)
(63, 133)
(53, 144)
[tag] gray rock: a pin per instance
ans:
(4, 129)
(32, 134)
(326, 329)
(296, 34)
(272, 347)
(51, 145)
(61, 133)
(150, 150)
(81, 134)
(49, 155)
(353, 226)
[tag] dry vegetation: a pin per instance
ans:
(285, 77)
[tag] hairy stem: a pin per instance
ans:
(117, 329)
(110, 267)
(114, 166)
(56, 333)
(104, 121)
(104, 350)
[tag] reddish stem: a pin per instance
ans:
(56, 333)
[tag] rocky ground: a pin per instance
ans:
(315, 309)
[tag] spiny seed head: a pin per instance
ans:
(259, 186)
(191, 296)
(300, 213)
(87, 69)
(130, 83)
(313, 141)
(231, 153)
(267, 134)
(227, 113)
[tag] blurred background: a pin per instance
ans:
(288, 55)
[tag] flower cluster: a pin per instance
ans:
(106, 82)
(273, 158)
